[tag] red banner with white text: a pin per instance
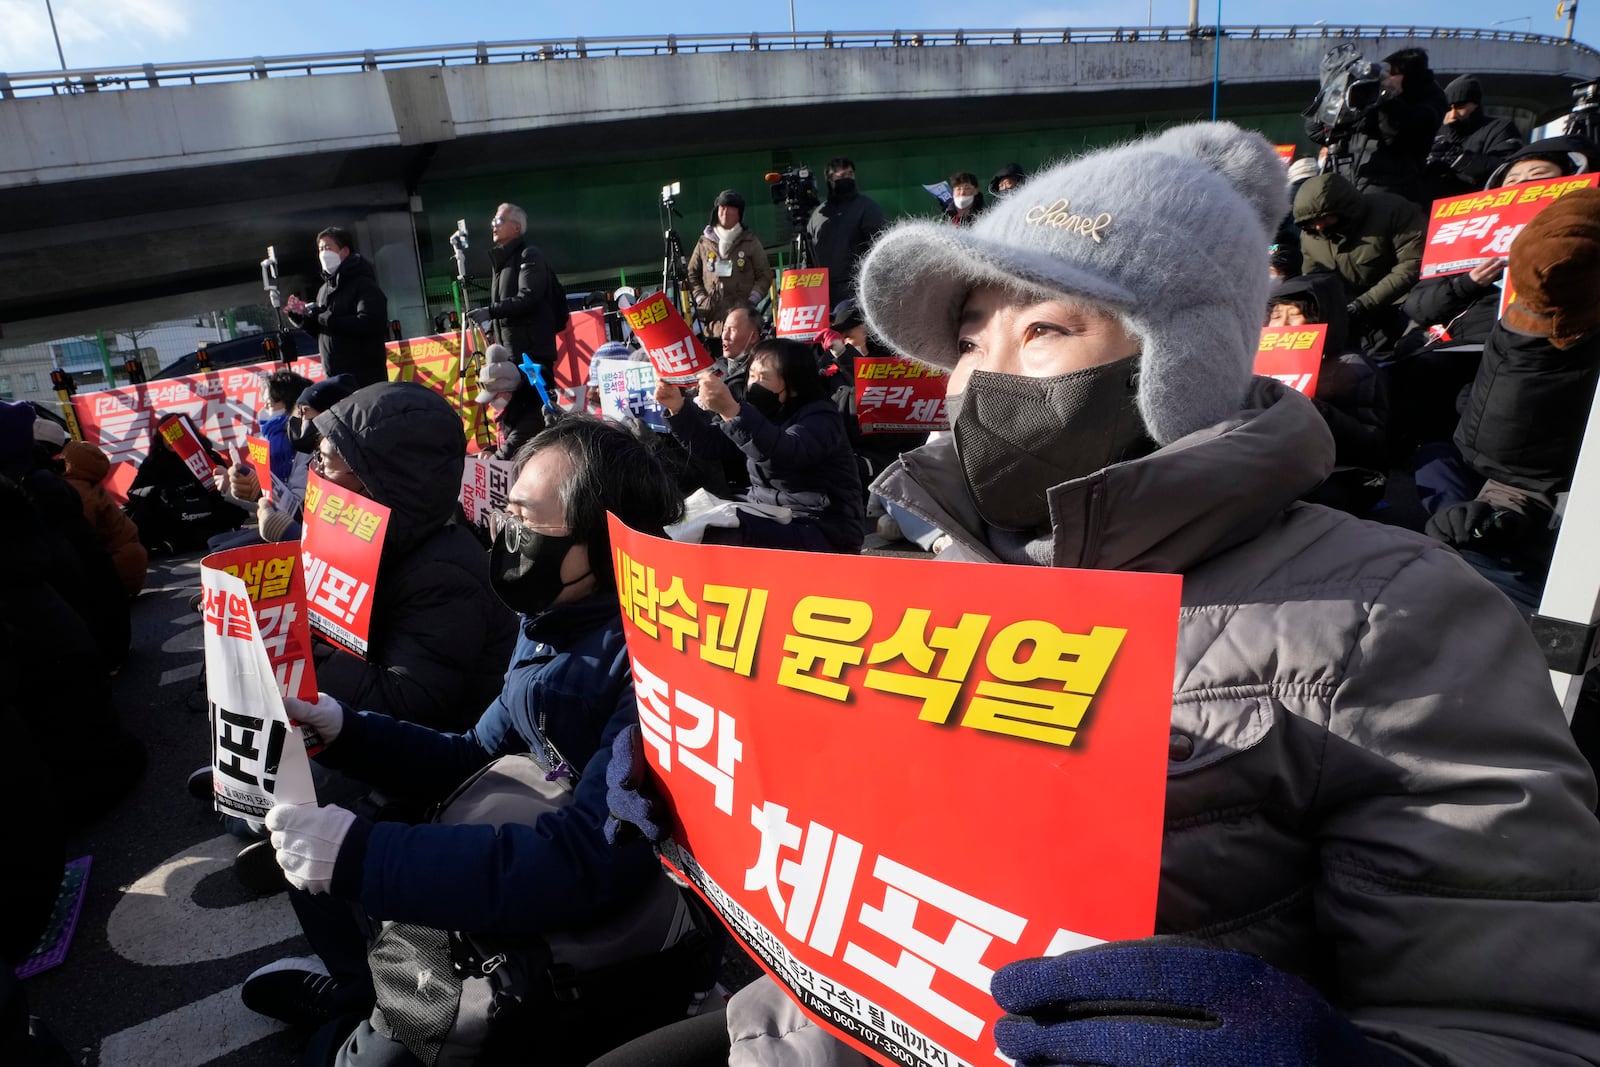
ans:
(891, 780)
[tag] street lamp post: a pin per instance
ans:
(53, 32)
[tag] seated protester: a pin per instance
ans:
(282, 522)
(794, 446)
(1524, 421)
(1375, 800)
(874, 451)
(1351, 395)
(439, 637)
(568, 693)
(173, 510)
(966, 202)
(1437, 362)
(86, 469)
(1373, 241)
(740, 332)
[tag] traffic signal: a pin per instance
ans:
(202, 358)
(62, 382)
(134, 370)
(394, 329)
(455, 321)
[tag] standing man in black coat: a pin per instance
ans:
(524, 316)
(1470, 145)
(1395, 133)
(842, 228)
(351, 314)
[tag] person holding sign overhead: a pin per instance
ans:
(1375, 852)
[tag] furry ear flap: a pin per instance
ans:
(1243, 157)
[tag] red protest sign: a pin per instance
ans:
(891, 780)
(1285, 153)
(341, 545)
(1292, 354)
(177, 432)
(271, 576)
(260, 454)
(1464, 231)
(895, 395)
(802, 303)
(675, 352)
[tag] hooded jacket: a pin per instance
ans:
(1378, 250)
(1525, 415)
(440, 637)
(1350, 395)
(1370, 783)
(716, 294)
(350, 321)
(87, 467)
(802, 462)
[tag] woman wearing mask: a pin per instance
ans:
(1380, 845)
(965, 200)
(728, 268)
(794, 445)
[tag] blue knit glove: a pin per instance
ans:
(1168, 1001)
(635, 807)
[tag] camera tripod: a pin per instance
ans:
(674, 264)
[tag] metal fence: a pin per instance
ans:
(149, 75)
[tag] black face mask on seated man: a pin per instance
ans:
(303, 436)
(525, 566)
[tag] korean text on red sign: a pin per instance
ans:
(271, 577)
(802, 303)
(258, 757)
(896, 395)
(260, 454)
(340, 549)
(177, 432)
(891, 777)
(674, 350)
(1292, 354)
(1464, 231)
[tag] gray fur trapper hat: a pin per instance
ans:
(1169, 233)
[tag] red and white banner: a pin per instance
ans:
(177, 432)
(1464, 231)
(1293, 355)
(802, 303)
(674, 350)
(891, 779)
(271, 577)
(895, 395)
(485, 484)
(340, 549)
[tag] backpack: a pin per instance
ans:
(454, 997)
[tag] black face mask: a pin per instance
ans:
(842, 188)
(1019, 437)
(763, 400)
(303, 436)
(525, 567)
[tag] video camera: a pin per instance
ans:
(1584, 118)
(1350, 86)
(796, 189)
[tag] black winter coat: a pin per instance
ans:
(1466, 152)
(520, 301)
(1389, 148)
(440, 637)
(802, 462)
(350, 321)
(1351, 394)
(842, 229)
(1467, 310)
(1525, 416)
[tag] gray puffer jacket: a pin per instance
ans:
(1371, 783)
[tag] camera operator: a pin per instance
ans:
(729, 267)
(1392, 135)
(842, 228)
(1470, 144)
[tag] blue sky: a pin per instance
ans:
(131, 32)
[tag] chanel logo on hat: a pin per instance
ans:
(1060, 216)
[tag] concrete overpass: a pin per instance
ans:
(138, 186)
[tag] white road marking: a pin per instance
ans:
(181, 674)
(194, 1034)
(158, 924)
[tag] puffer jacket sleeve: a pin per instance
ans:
(1438, 300)
(814, 434)
(1405, 232)
(1463, 902)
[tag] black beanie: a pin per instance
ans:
(1464, 90)
(728, 198)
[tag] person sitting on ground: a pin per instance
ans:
(1524, 421)
(240, 484)
(1351, 394)
(794, 445)
(966, 202)
(874, 451)
(280, 520)
(740, 332)
(1373, 241)
(1410, 863)
(567, 694)
(728, 269)
(86, 469)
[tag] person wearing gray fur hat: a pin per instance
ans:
(1360, 830)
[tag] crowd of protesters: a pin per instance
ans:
(1398, 867)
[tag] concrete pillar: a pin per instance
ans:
(389, 242)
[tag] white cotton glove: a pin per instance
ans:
(307, 839)
(319, 723)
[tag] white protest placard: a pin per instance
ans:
(628, 390)
(257, 758)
